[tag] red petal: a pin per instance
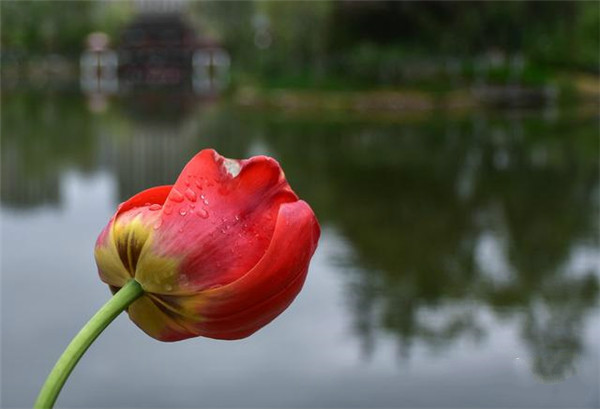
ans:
(154, 195)
(239, 309)
(220, 221)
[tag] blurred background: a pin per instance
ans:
(449, 149)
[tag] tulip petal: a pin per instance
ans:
(156, 321)
(219, 219)
(154, 195)
(241, 308)
(109, 256)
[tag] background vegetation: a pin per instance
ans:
(340, 44)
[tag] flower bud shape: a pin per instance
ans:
(219, 254)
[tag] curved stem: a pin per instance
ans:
(82, 341)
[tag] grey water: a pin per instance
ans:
(458, 266)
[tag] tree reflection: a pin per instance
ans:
(416, 202)
(42, 136)
(144, 138)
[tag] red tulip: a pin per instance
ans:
(219, 254)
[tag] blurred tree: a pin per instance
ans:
(416, 202)
(346, 43)
(45, 27)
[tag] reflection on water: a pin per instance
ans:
(446, 216)
(442, 222)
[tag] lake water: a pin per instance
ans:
(458, 264)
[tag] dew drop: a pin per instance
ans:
(157, 224)
(168, 210)
(237, 218)
(206, 202)
(155, 207)
(176, 196)
(191, 195)
(168, 287)
(198, 184)
(182, 211)
(202, 213)
(202, 197)
(147, 204)
(181, 230)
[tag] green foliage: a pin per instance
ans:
(397, 43)
(355, 44)
(44, 27)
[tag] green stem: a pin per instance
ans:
(82, 341)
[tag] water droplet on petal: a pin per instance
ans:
(176, 196)
(168, 210)
(155, 207)
(190, 194)
(198, 184)
(206, 202)
(202, 213)
(237, 218)
(182, 211)
(157, 224)
(147, 204)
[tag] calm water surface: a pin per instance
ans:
(458, 265)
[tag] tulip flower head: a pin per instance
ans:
(219, 254)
